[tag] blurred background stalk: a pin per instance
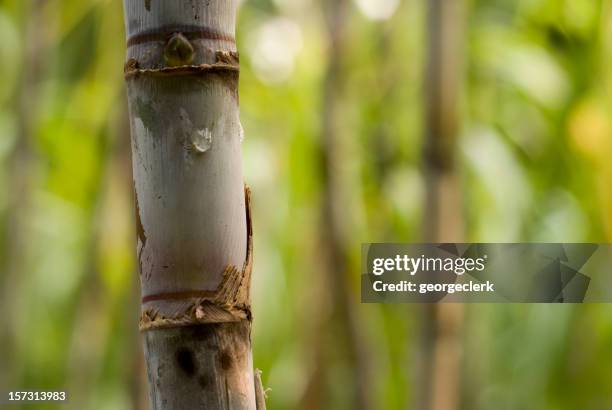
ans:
(340, 327)
(444, 221)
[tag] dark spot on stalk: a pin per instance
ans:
(142, 237)
(226, 361)
(139, 228)
(146, 113)
(205, 381)
(186, 361)
(148, 5)
(203, 332)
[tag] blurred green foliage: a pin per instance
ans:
(534, 154)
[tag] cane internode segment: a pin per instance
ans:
(230, 302)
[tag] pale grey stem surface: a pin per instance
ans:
(193, 239)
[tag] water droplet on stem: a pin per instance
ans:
(202, 140)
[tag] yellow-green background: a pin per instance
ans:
(534, 153)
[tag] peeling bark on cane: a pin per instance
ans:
(193, 213)
(260, 392)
